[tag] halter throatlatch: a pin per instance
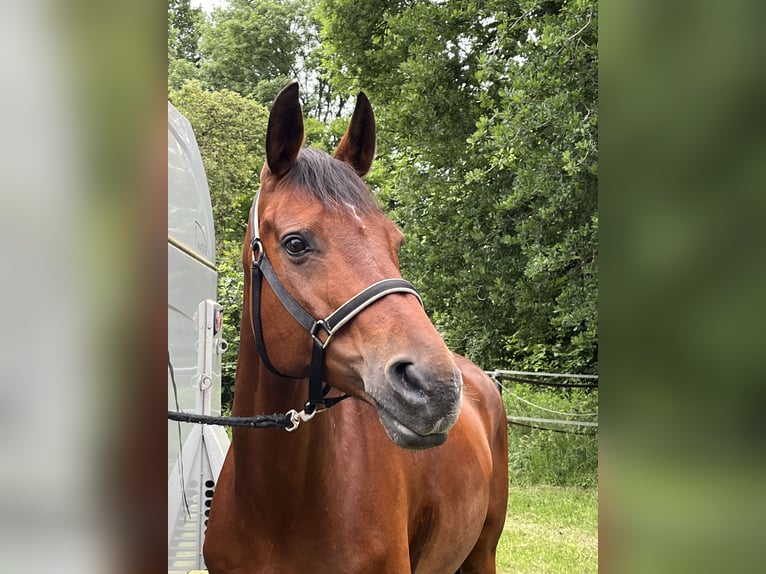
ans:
(321, 330)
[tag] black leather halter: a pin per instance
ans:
(321, 330)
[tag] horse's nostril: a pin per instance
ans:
(400, 369)
(424, 396)
(421, 382)
(407, 378)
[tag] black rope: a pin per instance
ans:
(259, 421)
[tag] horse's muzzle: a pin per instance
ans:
(418, 406)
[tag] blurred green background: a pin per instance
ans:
(682, 198)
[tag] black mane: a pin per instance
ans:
(331, 181)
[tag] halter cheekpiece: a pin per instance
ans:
(321, 330)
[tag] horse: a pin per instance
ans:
(400, 461)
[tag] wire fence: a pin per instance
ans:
(524, 377)
(542, 379)
(555, 412)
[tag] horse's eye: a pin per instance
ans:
(295, 245)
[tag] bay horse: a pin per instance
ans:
(407, 471)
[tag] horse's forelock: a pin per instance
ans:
(333, 182)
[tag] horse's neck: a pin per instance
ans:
(276, 465)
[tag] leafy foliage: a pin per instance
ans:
(488, 140)
(540, 128)
(185, 22)
(184, 28)
(251, 46)
(231, 284)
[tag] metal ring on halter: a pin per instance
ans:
(320, 324)
(256, 246)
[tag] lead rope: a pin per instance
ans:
(286, 421)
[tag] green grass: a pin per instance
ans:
(549, 530)
(544, 457)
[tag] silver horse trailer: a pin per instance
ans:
(195, 452)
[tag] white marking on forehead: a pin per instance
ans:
(353, 210)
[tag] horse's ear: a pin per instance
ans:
(284, 136)
(357, 147)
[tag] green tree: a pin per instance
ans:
(252, 46)
(186, 21)
(488, 162)
(320, 101)
(231, 284)
(538, 133)
(184, 28)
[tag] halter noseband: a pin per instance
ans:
(321, 330)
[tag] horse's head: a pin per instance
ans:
(327, 241)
